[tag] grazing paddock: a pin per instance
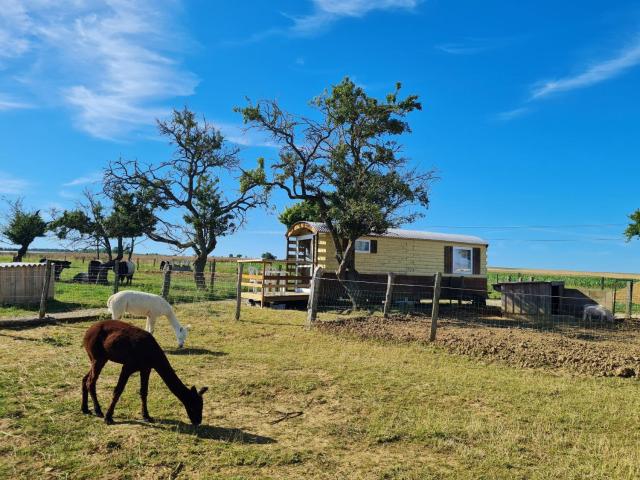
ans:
(288, 403)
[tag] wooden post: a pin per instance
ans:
(601, 283)
(212, 278)
(314, 293)
(239, 290)
(389, 296)
(166, 281)
(435, 305)
(262, 284)
(613, 303)
(154, 262)
(45, 289)
(629, 300)
(116, 280)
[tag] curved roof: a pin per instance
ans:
(318, 227)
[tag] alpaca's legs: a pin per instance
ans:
(91, 380)
(151, 324)
(125, 373)
(144, 389)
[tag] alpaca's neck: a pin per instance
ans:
(174, 323)
(168, 375)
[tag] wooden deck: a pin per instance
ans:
(275, 297)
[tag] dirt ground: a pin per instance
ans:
(614, 353)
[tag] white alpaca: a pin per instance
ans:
(597, 311)
(146, 305)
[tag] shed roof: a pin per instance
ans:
(20, 264)
(318, 227)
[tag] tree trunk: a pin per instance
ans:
(133, 241)
(120, 249)
(348, 275)
(22, 251)
(199, 266)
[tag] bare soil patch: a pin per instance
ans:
(616, 353)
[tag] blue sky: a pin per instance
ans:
(531, 110)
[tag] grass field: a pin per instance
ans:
(371, 409)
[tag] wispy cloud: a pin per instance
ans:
(10, 104)
(325, 13)
(511, 114)
(593, 74)
(84, 180)
(11, 185)
(119, 58)
(471, 46)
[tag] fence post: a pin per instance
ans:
(166, 281)
(45, 290)
(116, 280)
(389, 295)
(239, 290)
(435, 305)
(601, 283)
(615, 292)
(314, 293)
(213, 275)
(629, 299)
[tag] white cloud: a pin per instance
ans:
(10, 104)
(593, 74)
(111, 61)
(10, 185)
(327, 12)
(511, 114)
(91, 178)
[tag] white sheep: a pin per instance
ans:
(146, 305)
(597, 311)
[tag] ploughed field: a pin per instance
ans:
(328, 403)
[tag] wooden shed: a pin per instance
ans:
(22, 283)
(414, 256)
(531, 299)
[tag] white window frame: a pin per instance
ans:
(368, 242)
(453, 261)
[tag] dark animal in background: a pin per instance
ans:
(176, 267)
(98, 272)
(58, 266)
(126, 269)
(95, 274)
(137, 351)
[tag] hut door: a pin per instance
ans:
(304, 259)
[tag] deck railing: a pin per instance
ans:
(267, 281)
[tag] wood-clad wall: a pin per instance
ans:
(22, 284)
(398, 255)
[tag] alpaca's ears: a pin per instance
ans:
(203, 390)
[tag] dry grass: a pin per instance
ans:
(371, 410)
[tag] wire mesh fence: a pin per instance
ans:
(74, 287)
(536, 306)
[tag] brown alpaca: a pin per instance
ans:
(137, 351)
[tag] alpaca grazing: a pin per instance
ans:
(137, 351)
(146, 305)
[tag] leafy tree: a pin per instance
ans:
(92, 223)
(347, 163)
(268, 256)
(23, 227)
(633, 229)
(193, 210)
(299, 212)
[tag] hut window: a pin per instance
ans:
(363, 246)
(462, 261)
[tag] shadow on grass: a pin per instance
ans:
(230, 435)
(195, 351)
